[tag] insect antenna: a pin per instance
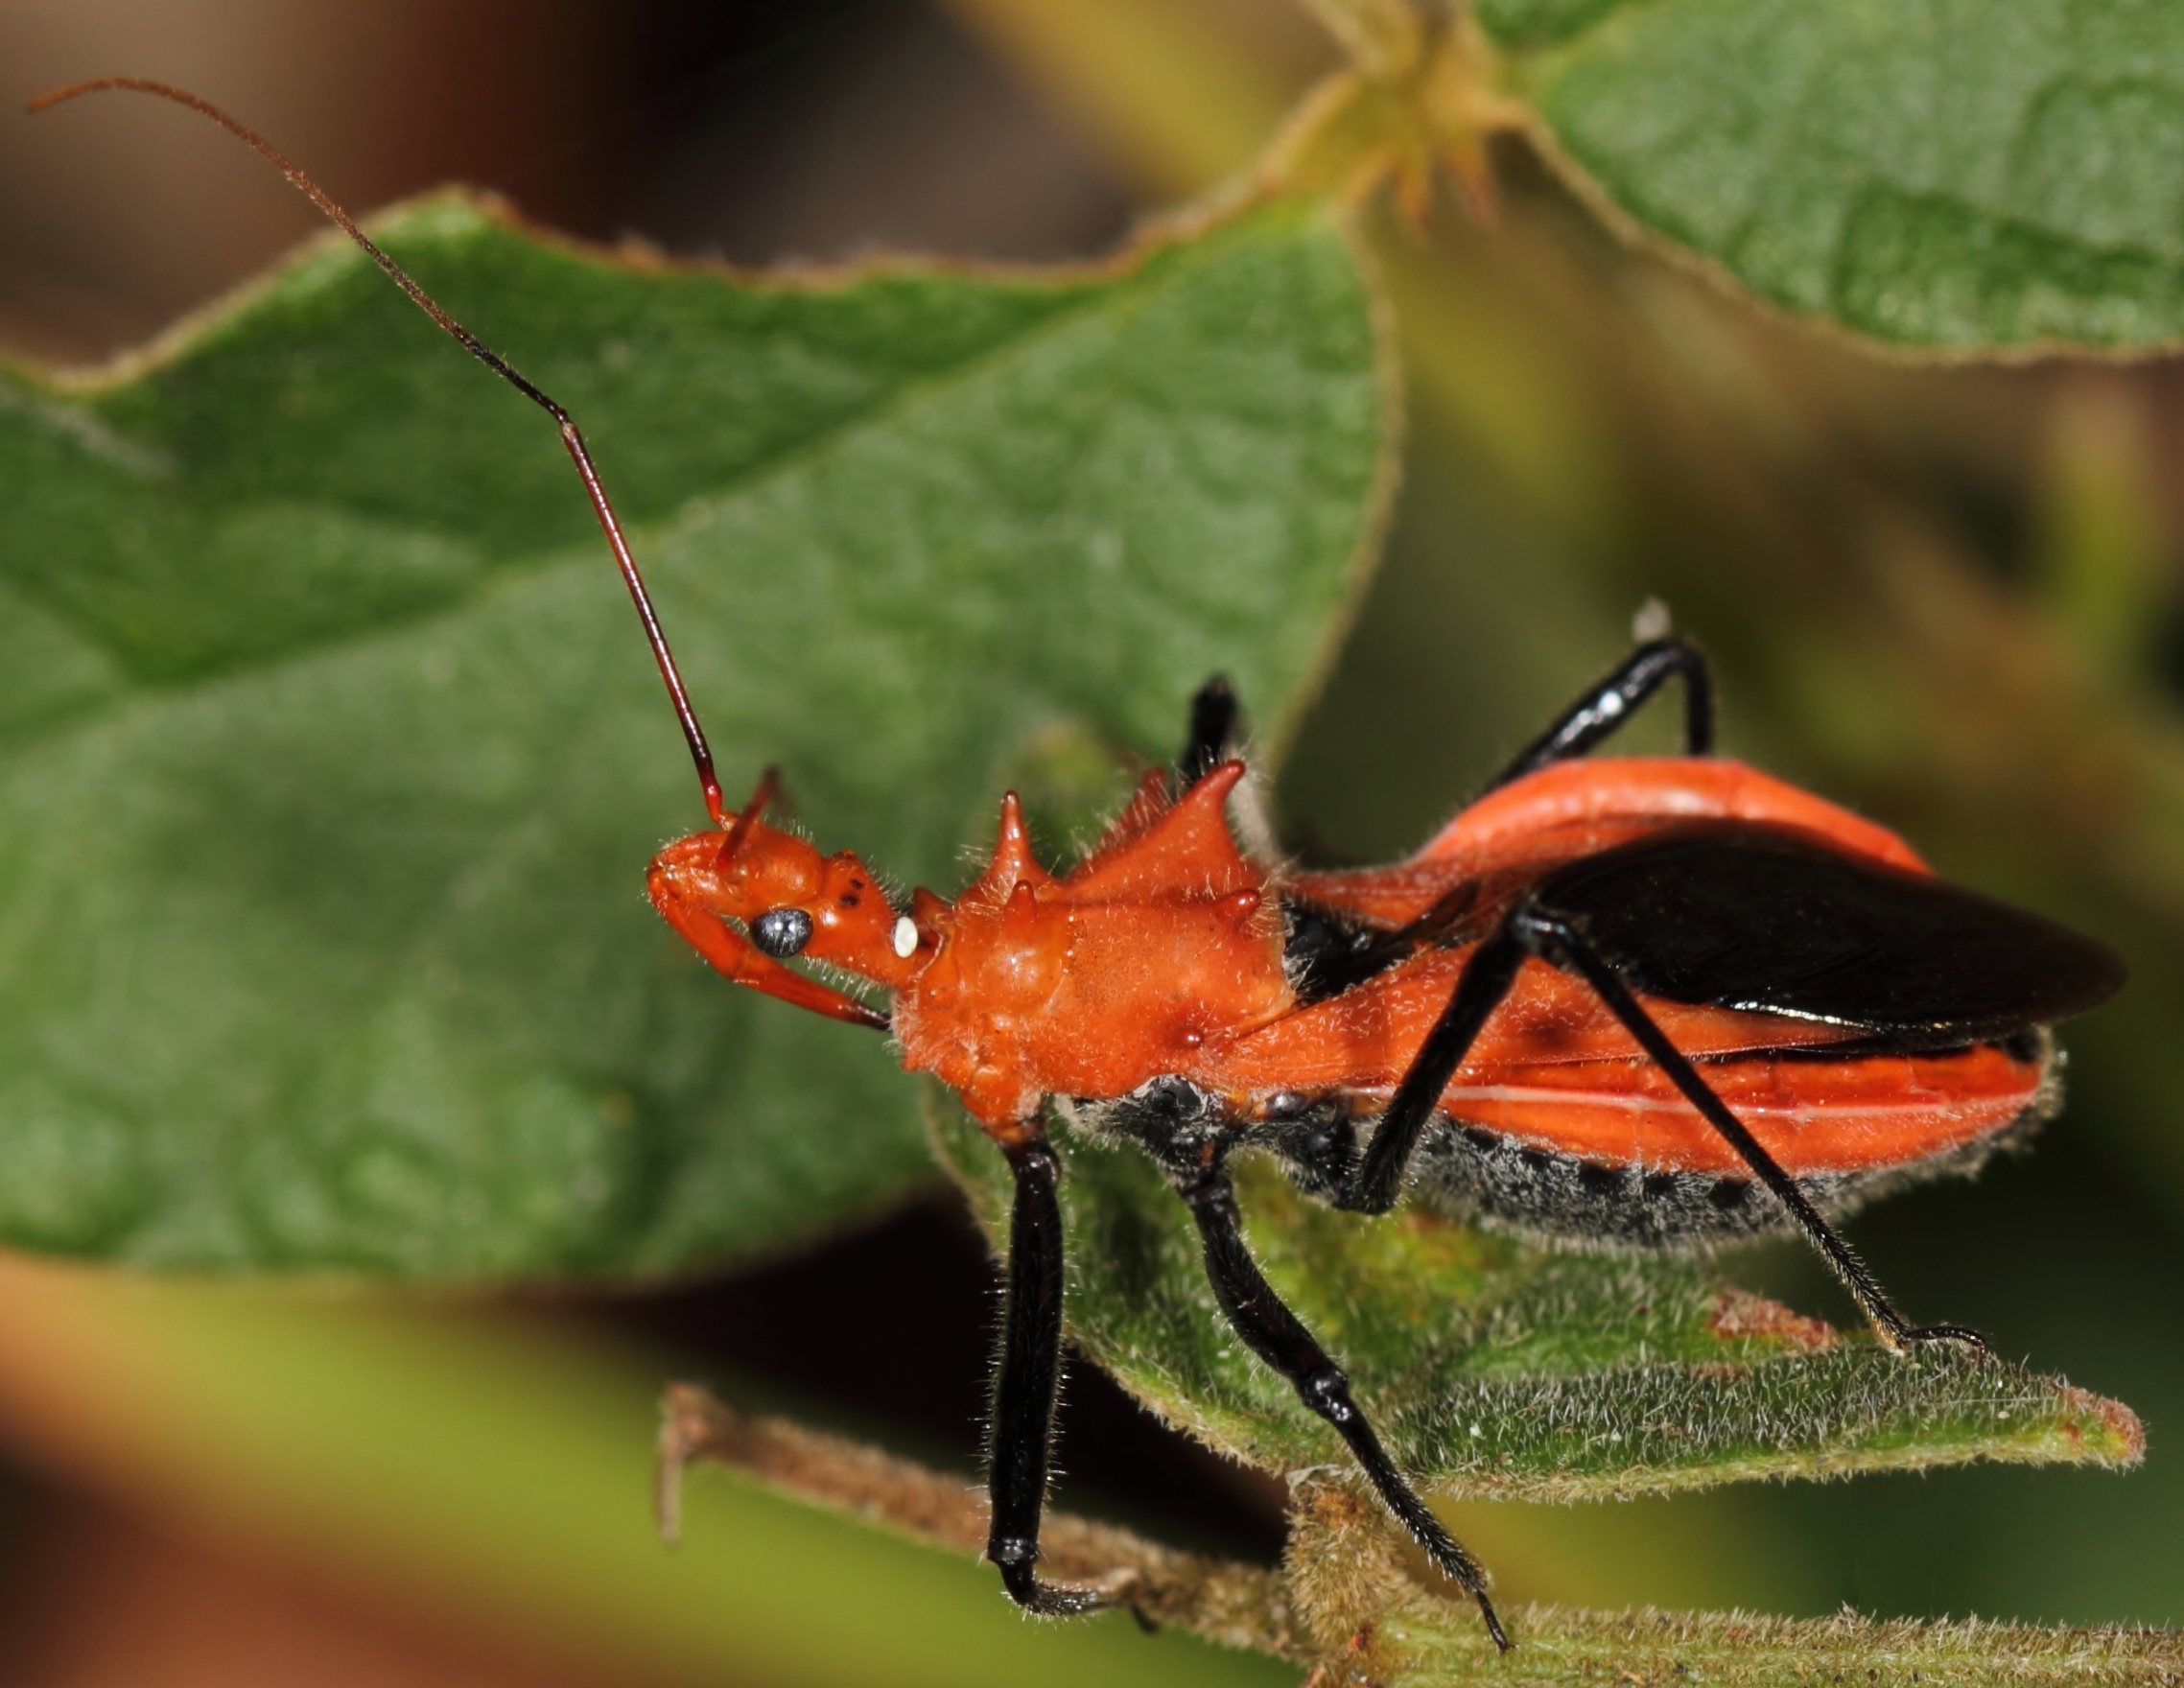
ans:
(701, 754)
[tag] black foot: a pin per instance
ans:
(1055, 1600)
(1493, 1624)
(1954, 1335)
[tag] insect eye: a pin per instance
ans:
(782, 933)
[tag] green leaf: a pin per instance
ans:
(331, 756)
(1493, 1368)
(1952, 173)
(1352, 1586)
(1439, 1650)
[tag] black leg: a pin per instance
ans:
(1554, 939)
(1276, 1336)
(1025, 1388)
(1213, 730)
(1608, 705)
(1487, 976)
(1377, 1181)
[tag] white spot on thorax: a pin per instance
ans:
(906, 937)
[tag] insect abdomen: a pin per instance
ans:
(1473, 1166)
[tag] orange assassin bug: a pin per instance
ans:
(1636, 1002)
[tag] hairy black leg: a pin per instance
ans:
(1024, 1387)
(1554, 939)
(1485, 980)
(1608, 705)
(1276, 1336)
(1480, 988)
(1212, 729)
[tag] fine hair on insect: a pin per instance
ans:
(1635, 1002)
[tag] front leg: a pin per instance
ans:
(1278, 1337)
(1024, 1387)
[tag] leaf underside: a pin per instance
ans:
(1947, 174)
(330, 756)
(1495, 1367)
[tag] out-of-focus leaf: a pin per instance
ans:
(1948, 175)
(1155, 86)
(1495, 1367)
(332, 755)
(490, 1472)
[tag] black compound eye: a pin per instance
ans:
(782, 933)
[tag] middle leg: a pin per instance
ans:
(1559, 941)
(1612, 699)
(1377, 1179)
(1278, 1337)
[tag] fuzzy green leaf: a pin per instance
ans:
(331, 756)
(1945, 174)
(1439, 1649)
(1441, 1645)
(1493, 1368)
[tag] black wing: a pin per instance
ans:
(1736, 915)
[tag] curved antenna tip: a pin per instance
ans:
(100, 84)
(55, 96)
(701, 754)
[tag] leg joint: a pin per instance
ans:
(1034, 1162)
(1540, 931)
(1326, 1389)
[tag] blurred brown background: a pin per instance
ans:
(1949, 597)
(760, 133)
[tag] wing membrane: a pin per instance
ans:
(1764, 920)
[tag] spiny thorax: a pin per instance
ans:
(1160, 942)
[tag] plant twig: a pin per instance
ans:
(1236, 1604)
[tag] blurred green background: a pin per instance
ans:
(1947, 595)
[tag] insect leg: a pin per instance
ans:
(1212, 738)
(1554, 938)
(1276, 1336)
(1213, 730)
(1024, 1386)
(1485, 980)
(1606, 705)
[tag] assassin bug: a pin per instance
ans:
(1641, 1001)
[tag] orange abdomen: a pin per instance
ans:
(1554, 1070)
